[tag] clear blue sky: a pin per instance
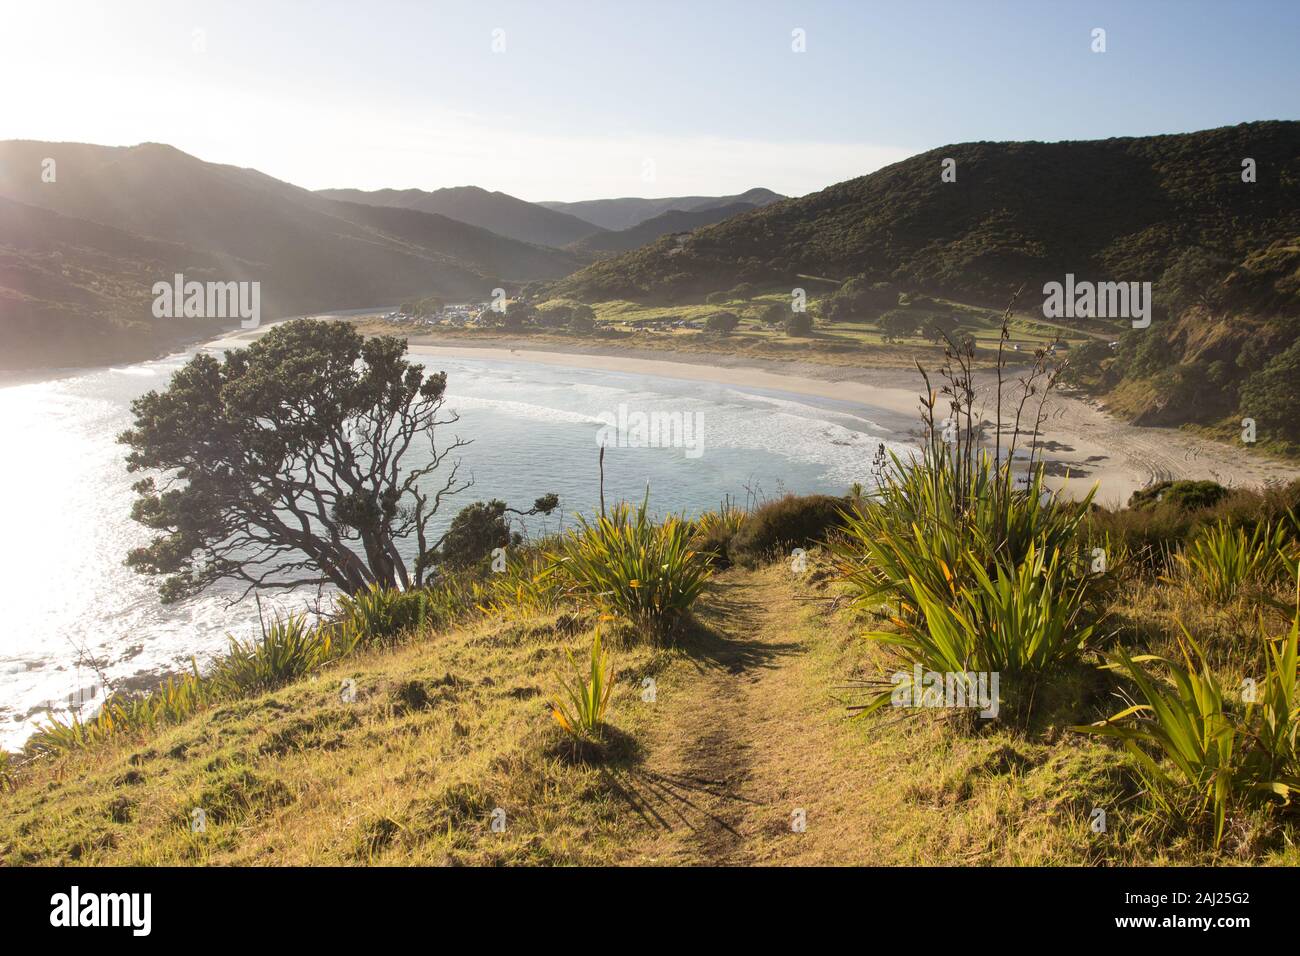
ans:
(628, 97)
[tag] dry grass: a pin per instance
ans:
(747, 726)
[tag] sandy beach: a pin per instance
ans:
(1089, 445)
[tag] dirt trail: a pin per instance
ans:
(705, 786)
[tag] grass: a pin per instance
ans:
(431, 726)
(581, 706)
(984, 576)
(745, 727)
(1222, 562)
(290, 648)
(856, 344)
(631, 569)
(1202, 755)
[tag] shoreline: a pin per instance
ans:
(1087, 444)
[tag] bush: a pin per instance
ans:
(1202, 755)
(378, 614)
(290, 648)
(1183, 495)
(985, 575)
(529, 586)
(713, 532)
(717, 298)
(580, 710)
(1020, 621)
(630, 568)
(1152, 531)
(1222, 562)
(783, 524)
(722, 322)
(858, 300)
(480, 528)
(898, 324)
(798, 325)
(583, 319)
(476, 531)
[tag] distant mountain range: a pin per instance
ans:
(80, 253)
(608, 242)
(505, 215)
(630, 211)
(115, 220)
(594, 227)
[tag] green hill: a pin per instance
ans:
(138, 214)
(1116, 209)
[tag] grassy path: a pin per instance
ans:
(734, 752)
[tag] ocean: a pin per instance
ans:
(65, 498)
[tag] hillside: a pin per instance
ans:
(495, 211)
(309, 253)
(630, 211)
(748, 725)
(1228, 350)
(674, 221)
(75, 292)
(1117, 209)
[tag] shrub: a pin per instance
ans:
(897, 324)
(580, 708)
(1221, 562)
(783, 524)
(289, 648)
(480, 528)
(378, 614)
(633, 569)
(985, 575)
(714, 530)
(1021, 621)
(798, 324)
(529, 586)
(1202, 755)
(717, 298)
(1183, 495)
(859, 300)
(722, 322)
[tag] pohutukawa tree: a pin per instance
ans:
(286, 464)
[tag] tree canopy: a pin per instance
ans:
(306, 458)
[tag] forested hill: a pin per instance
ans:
(1115, 209)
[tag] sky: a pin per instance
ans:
(561, 100)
